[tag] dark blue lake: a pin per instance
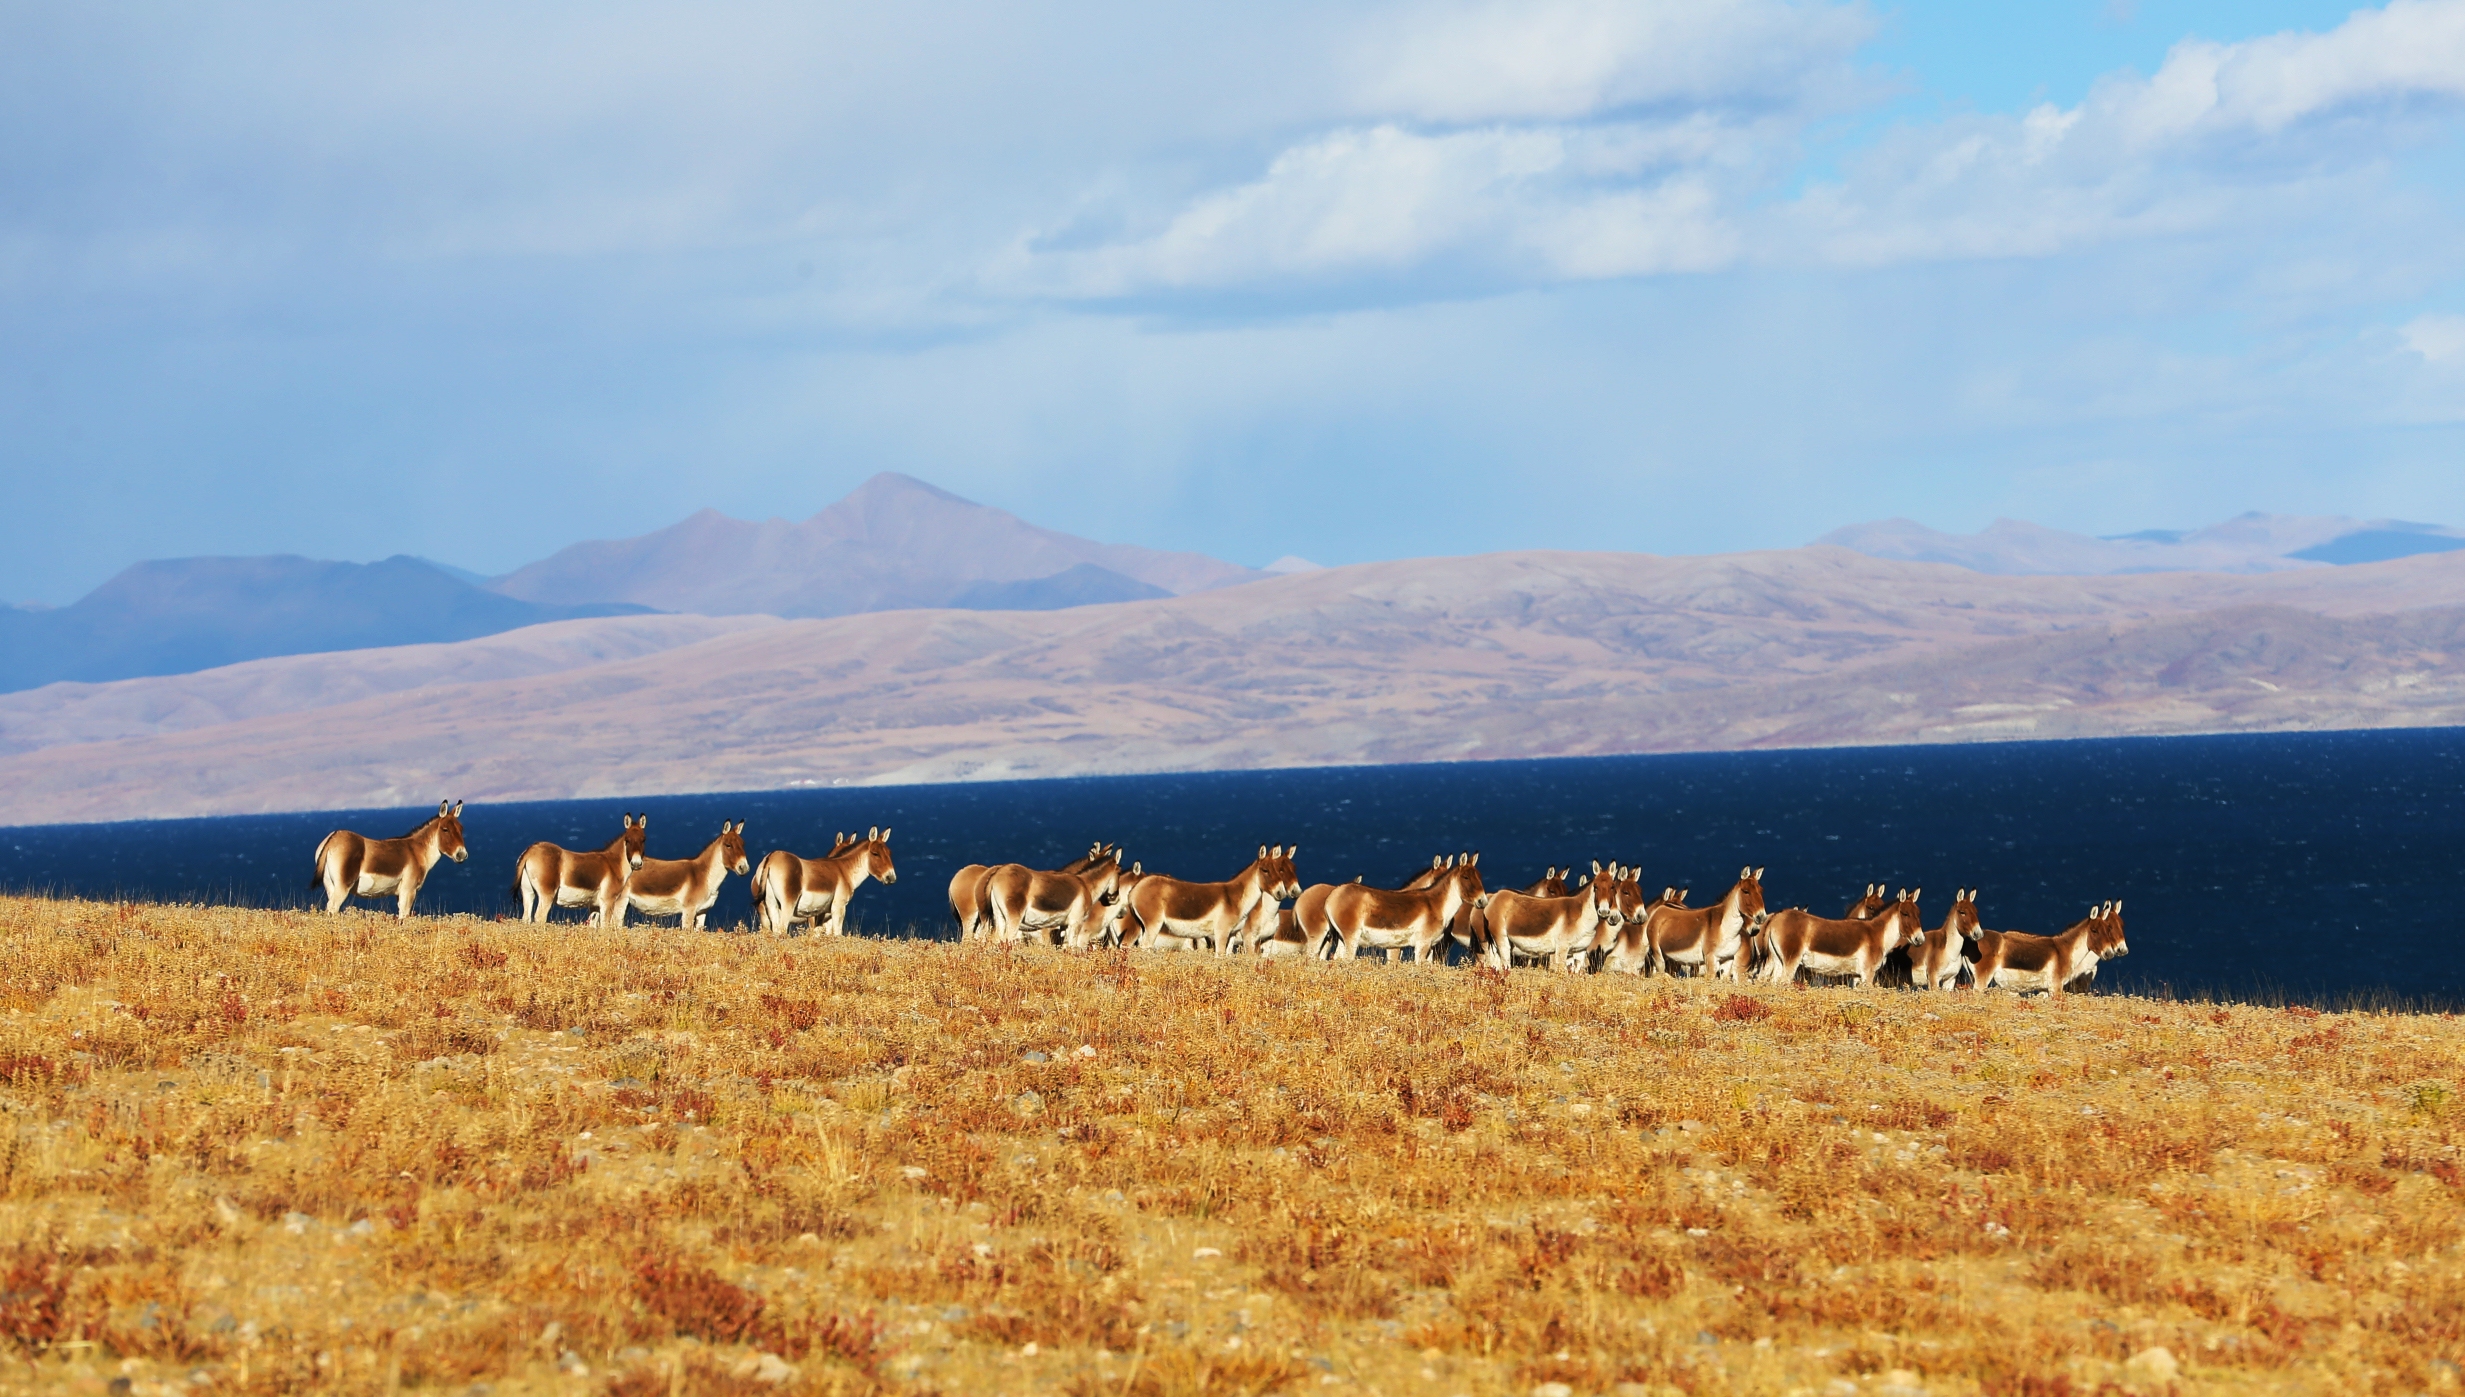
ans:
(2311, 866)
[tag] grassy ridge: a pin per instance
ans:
(279, 1151)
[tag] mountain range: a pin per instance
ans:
(180, 615)
(1501, 655)
(895, 543)
(905, 634)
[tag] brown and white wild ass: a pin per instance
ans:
(1549, 884)
(1070, 909)
(788, 889)
(1164, 908)
(686, 888)
(1942, 960)
(967, 889)
(1853, 946)
(1561, 930)
(549, 876)
(2017, 961)
(351, 865)
(1357, 915)
(1705, 937)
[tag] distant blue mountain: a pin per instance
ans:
(178, 615)
(2377, 546)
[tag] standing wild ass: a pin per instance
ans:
(788, 889)
(2017, 961)
(1941, 960)
(1162, 907)
(686, 888)
(967, 888)
(1072, 909)
(1706, 937)
(549, 876)
(1356, 915)
(1852, 946)
(1561, 929)
(350, 865)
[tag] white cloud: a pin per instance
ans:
(2219, 132)
(1564, 59)
(1506, 144)
(1548, 202)
(2440, 339)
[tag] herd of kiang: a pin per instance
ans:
(1602, 922)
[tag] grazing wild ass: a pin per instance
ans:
(1852, 946)
(967, 889)
(1068, 908)
(1162, 907)
(1706, 937)
(549, 876)
(1561, 930)
(686, 888)
(1357, 915)
(350, 865)
(2017, 961)
(788, 889)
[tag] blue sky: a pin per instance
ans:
(1352, 282)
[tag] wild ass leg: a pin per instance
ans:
(406, 893)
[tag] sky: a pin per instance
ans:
(1347, 281)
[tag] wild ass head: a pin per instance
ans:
(732, 847)
(877, 843)
(449, 831)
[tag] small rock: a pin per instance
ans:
(913, 1171)
(1027, 1103)
(1086, 1050)
(1032, 1056)
(1205, 1252)
(766, 1368)
(2153, 1364)
(1552, 1389)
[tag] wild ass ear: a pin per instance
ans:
(885, 834)
(1596, 866)
(1758, 875)
(457, 809)
(441, 806)
(1745, 873)
(2118, 907)
(1292, 851)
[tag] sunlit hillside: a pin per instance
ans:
(258, 1151)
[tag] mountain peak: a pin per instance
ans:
(892, 543)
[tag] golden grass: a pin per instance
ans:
(269, 1151)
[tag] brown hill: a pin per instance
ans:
(1509, 655)
(894, 542)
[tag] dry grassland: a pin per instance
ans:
(256, 1151)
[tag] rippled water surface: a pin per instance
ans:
(2312, 865)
